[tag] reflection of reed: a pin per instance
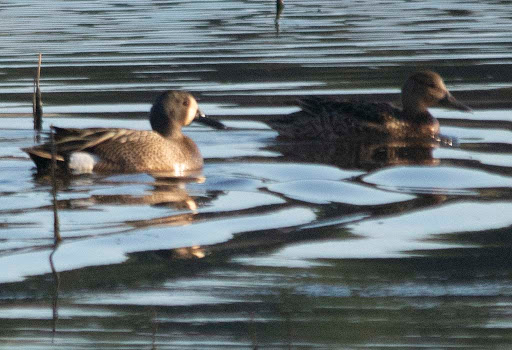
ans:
(56, 233)
(55, 299)
(252, 331)
(154, 329)
(56, 229)
(279, 10)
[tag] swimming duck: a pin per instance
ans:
(324, 118)
(165, 149)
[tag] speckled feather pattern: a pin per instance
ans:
(137, 150)
(324, 118)
(126, 150)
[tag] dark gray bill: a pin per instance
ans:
(203, 119)
(450, 102)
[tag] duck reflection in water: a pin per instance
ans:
(368, 134)
(172, 195)
(366, 155)
(165, 192)
(165, 149)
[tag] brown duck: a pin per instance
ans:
(105, 150)
(323, 118)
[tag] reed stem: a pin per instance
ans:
(37, 104)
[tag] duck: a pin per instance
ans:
(164, 149)
(328, 118)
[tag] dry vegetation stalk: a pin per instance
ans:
(37, 104)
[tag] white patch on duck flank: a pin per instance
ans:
(179, 169)
(82, 162)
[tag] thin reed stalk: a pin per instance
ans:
(37, 103)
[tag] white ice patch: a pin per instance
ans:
(82, 162)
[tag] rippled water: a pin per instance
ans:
(276, 244)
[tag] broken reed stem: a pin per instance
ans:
(56, 226)
(37, 104)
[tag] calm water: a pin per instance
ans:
(276, 245)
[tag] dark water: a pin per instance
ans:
(276, 245)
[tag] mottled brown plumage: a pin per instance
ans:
(324, 118)
(165, 149)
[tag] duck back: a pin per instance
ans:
(327, 118)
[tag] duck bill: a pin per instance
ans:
(203, 119)
(450, 102)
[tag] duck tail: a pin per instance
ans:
(42, 158)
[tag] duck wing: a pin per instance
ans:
(70, 140)
(330, 118)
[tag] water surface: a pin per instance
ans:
(276, 244)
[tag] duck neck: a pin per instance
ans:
(164, 126)
(171, 132)
(415, 111)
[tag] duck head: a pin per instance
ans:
(426, 89)
(174, 109)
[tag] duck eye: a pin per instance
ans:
(425, 82)
(186, 102)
